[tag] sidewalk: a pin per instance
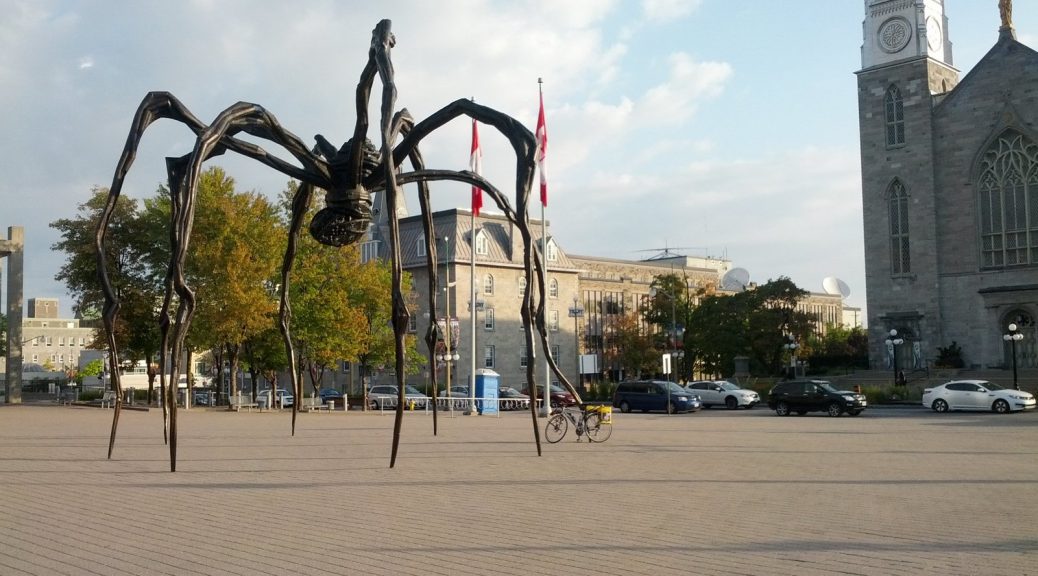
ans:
(717, 492)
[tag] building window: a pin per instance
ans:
(488, 356)
(523, 359)
(1008, 190)
(553, 288)
(80, 340)
(553, 251)
(900, 260)
(419, 246)
(553, 320)
(522, 286)
(61, 340)
(35, 358)
(488, 285)
(488, 319)
(556, 351)
(369, 251)
(895, 117)
(482, 246)
(412, 323)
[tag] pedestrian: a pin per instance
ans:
(900, 380)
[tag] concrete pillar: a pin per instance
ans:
(13, 249)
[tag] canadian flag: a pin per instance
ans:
(476, 166)
(541, 155)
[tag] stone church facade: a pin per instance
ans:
(949, 189)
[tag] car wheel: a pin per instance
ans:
(731, 403)
(1000, 406)
(834, 409)
(939, 405)
(625, 407)
(782, 409)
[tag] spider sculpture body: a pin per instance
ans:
(348, 175)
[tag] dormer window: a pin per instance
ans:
(419, 246)
(553, 251)
(482, 245)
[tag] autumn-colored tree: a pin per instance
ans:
(629, 345)
(233, 264)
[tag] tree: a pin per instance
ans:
(755, 323)
(233, 266)
(629, 346)
(131, 270)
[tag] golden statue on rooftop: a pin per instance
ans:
(1005, 8)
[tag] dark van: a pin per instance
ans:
(648, 395)
(803, 396)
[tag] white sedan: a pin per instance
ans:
(723, 393)
(976, 395)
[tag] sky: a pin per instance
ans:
(707, 127)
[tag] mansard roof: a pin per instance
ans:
(504, 242)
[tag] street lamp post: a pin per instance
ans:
(479, 306)
(576, 312)
(792, 347)
(893, 342)
(1012, 337)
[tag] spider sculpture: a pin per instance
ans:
(348, 175)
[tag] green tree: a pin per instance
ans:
(129, 244)
(755, 323)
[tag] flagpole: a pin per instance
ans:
(472, 313)
(546, 410)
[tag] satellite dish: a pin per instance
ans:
(735, 280)
(833, 286)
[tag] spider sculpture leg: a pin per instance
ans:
(184, 173)
(156, 105)
(523, 143)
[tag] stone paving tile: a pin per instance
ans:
(897, 491)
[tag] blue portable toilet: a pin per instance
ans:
(487, 383)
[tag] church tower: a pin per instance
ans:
(906, 58)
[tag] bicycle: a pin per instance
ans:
(596, 422)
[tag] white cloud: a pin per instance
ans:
(658, 10)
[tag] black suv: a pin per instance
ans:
(803, 396)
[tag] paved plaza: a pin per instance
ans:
(895, 491)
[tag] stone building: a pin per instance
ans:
(603, 289)
(949, 188)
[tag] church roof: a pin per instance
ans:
(1004, 64)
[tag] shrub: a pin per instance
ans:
(949, 356)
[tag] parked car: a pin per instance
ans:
(976, 395)
(559, 395)
(648, 395)
(458, 400)
(511, 399)
(385, 396)
(285, 399)
(723, 393)
(201, 398)
(803, 396)
(327, 394)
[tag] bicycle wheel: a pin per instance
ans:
(597, 429)
(556, 428)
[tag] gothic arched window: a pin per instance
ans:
(1008, 199)
(895, 117)
(900, 258)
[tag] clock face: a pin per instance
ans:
(894, 35)
(933, 33)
